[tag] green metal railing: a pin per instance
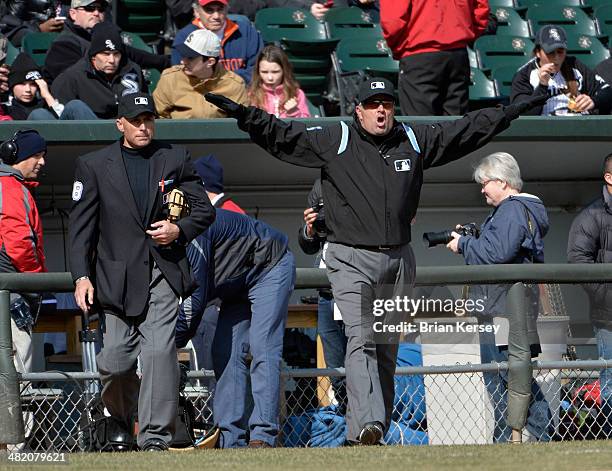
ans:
(519, 355)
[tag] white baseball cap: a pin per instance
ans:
(201, 42)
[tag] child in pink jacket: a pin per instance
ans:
(274, 89)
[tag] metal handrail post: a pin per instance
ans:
(11, 420)
(520, 368)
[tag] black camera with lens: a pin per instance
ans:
(431, 239)
(319, 223)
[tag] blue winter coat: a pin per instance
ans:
(506, 237)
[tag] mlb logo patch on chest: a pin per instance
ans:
(403, 165)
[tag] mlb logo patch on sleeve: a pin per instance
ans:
(77, 190)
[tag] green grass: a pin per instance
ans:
(574, 456)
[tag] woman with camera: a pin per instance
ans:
(512, 233)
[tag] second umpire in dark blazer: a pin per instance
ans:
(120, 238)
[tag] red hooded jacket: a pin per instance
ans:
(21, 236)
(417, 26)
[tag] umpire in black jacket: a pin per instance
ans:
(122, 244)
(372, 172)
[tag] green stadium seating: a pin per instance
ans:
(472, 57)
(589, 50)
(594, 4)
(481, 87)
(553, 3)
(134, 40)
(499, 51)
(144, 17)
(306, 42)
(367, 55)
(510, 23)
(37, 45)
(503, 78)
(573, 20)
(152, 77)
(293, 27)
(11, 53)
(513, 4)
(351, 22)
(604, 19)
(502, 3)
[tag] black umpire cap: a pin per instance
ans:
(375, 86)
(133, 104)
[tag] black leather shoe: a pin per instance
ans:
(155, 445)
(371, 433)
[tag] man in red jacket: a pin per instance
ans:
(429, 39)
(21, 237)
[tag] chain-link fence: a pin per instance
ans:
(458, 404)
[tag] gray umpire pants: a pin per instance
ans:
(151, 336)
(359, 276)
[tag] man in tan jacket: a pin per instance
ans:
(181, 88)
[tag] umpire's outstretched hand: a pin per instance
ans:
(517, 109)
(233, 109)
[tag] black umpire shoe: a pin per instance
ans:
(371, 433)
(155, 445)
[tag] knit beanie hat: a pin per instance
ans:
(105, 37)
(28, 142)
(24, 68)
(211, 173)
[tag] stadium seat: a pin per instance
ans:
(11, 53)
(503, 78)
(555, 3)
(499, 51)
(144, 17)
(37, 45)
(134, 40)
(594, 4)
(297, 29)
(152, 77)
(502, 3)
(481, 87)
(367, 55)
(513, 4)
(589, 50)
(510, 23)
(603, 15)
(351, 22)
(573, 20)
(472, 57)
(315, 112)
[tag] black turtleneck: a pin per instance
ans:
(136, 163)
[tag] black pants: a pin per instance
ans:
(435, 83)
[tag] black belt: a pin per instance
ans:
(377, 248)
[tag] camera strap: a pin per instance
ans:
(530, 225)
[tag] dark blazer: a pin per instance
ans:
(108, 241)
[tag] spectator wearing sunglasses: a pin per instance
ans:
(73, 43)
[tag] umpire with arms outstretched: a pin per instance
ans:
(371, 174)
(131, 260)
